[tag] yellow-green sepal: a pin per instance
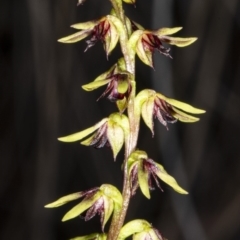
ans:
(143, 180)
(147, 112)
(63, 200)
(81, 207)
(166, 31)
(78, 36)
(95, 236)
(86, 25)
(113, 193)
(95, 84)
(165, 177)
(132, 227)
(179, 42)
(115, 135)
(80, 135)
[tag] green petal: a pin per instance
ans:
(180, 42)
(80, 135)
(113, 193)
(181, 105)
(135, 37)
(81, 207)
(111, 40)
(63, 200)
(87, 237)
(88, 141)
(167, 31)
(108, 209)
(183, 117)
(95, 84)
(115, 137)
(147, 113)
(129, 1)
(153, 235)
(78, 36)
(140, 27)
(144, 55)
(86, 25)
(165, 177)
(143, 180)
(122, 104)
(135, 226)
(94, 236)
(140, 236)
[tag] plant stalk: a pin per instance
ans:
(129, 57)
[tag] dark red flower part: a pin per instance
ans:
(151, 42)
(99, 32)
(134, 180)
(150, 167)
(100, 138)
(163, 112)
(113, 87)
(96, 208)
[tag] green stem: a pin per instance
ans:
(130, 146)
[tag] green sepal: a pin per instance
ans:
(165, 177)
(143, 180)
(115, 137)
(147, 112)
(87, 25)
(179, 42)
(166, 31)
(95, 236)
(183, 117)
(78, 36)
(135, 37)
(122, 104)
(94, 85)
(81, 207)
(129, 1)
(132, 227)
(108, 209)
(63, 200)
(80, 135)
(143, 54)
(113, 193)
(181, 105)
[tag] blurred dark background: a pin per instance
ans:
(41, 99)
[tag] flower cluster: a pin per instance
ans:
(119, 130)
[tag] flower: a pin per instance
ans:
(100, 200)
(104, 30)
(144, 42)
(142, 170)
(155, 105)
(109, 132)
(118, 82)
(141, 230)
